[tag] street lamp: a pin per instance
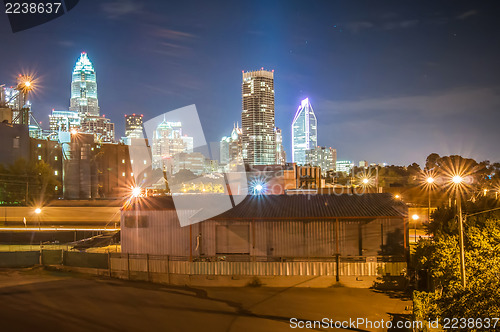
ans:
(397, 196)
(136, 191)
(457, 181)
(430, 181)
(37, 212)
(415, 218)
(258, 188)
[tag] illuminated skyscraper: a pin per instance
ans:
(63, 120)
(224, 150)
(168, 141)
(230, 147)
(102, 128)
(257, 118)
(84, 88)
(304, 132)
(280, 150)
(323, 157)
(133, 126)
(344, 166)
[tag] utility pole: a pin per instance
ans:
(429, 208)
(461, 230)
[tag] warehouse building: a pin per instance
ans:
(268, 227)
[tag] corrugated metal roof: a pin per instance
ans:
(293, 206)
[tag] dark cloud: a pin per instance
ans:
(358, 26)
(118, 8)
(467, 14)
(440, 105)
(453, 121)
(400, 24)
(172, 34)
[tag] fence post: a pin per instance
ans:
(109, 264)
(128, 266)
(147, 267)
(168, 269)
(337, 258)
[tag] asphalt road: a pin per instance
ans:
(38, 300)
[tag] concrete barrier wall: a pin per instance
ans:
(52, 257)
(85, 259)
(19, 258)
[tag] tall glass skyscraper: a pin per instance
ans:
(133, 125)
(84, 88)
(257, 118)
(168, 141)
(304, 132)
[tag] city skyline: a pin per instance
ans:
(348, 178)
(421, 89)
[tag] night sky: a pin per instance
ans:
(390, 81)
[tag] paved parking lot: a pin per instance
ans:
(39, 300)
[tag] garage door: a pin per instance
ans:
(232, 239)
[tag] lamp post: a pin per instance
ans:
(457, 180)
(430, 181)
(37, 212)
(415, 218)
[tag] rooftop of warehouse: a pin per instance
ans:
(279, 206)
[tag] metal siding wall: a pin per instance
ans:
(349, 238)
(164, 236)
(162, 266)
(372, 238)
(287, 238)
(260, 239)
(393, 231)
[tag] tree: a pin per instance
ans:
(431, 161)
(24, 182)
(439, 257)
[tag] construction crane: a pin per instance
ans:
(26, 84)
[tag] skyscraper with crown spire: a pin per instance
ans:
(84, 88)
(304, 132)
